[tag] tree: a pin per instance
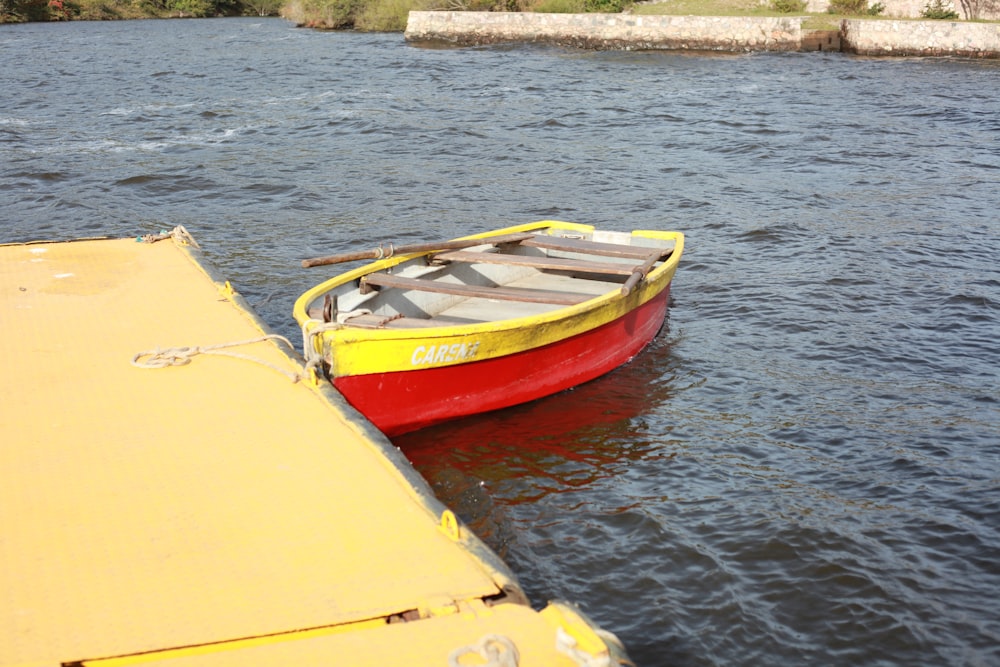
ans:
(264, 7)
(193, 8)
(25, 10)
(976, 9)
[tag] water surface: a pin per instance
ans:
(803, 468)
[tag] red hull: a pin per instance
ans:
(406, 401)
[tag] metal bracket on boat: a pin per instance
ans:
(329, 307)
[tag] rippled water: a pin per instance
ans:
(804, 468)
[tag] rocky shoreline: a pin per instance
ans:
(707, 33)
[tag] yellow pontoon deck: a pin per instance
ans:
(217, 512)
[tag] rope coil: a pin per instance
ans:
(496, 650)
(311, 330)
(179, 233)
(182, 356)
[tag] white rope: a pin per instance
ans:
(181, 356)
(496, 650)
(380, 251)
(178, 233)
(343, 317)
(310, 330)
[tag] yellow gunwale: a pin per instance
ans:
(364, 351)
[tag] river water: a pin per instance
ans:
(803, 468)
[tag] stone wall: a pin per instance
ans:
(610, 31)
(707, 33)
(920, 38)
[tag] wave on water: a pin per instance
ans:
(801, 469)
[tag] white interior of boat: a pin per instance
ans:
(491, 282)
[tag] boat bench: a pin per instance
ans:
(533, 261)
(594, 247)
(649, 255)
(371, 321)
(501, 293)
(366, 320)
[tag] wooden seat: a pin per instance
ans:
(593, 247)
(370, 321)
(473, 291)
(534, 261)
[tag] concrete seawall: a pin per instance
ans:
(707, 33)
(920, 38)
(610, 31)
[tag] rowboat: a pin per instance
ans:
(437, 331)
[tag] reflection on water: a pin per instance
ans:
(570, 440)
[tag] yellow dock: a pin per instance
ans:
(226, 510)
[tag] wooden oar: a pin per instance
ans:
(640, 271)
(382, 252)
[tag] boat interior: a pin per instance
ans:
(518, 275)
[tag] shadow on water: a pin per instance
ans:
(563, 442)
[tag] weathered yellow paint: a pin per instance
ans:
(578, 632)
(415, 644)
(351, 351)
(213, 513)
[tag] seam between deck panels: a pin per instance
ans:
(225, 645)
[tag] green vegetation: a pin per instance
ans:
(856, 8)
(561, 7)
(384, 15)
(606, 6)
(788, 6)
(839, 9)
(370, 15)
(939, 10)
(99, 10)
(390, 15)
(703, 8)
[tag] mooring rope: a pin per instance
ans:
(381, 254)
(496, 650)
(177, 232)
(181, 356)
(312, 329)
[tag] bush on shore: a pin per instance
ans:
(855, 8)
(390, 15)
(368, 15)
(378, 15)
(15, 11)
